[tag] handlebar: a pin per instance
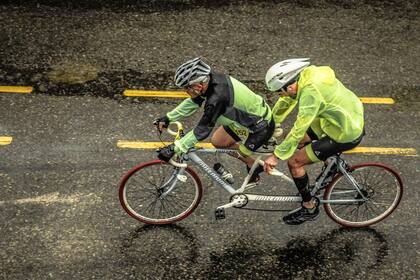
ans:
(276, 172)
(179, 129)
(177, 164)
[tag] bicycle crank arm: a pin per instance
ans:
(237, 201)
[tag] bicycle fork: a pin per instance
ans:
(169, 186)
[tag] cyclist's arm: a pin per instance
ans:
(282, 108)
(187, 107)
(309, 104)
(203, 129)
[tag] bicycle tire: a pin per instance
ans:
(151, 185)
(370, 189)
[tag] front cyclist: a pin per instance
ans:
(227, 102)
(329, 121)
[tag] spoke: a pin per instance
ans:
(341, 206)
(354, 209)
(146, 198)
(152, 183)
(161, 178)
(372, 209)
(152, 192)
(184, 191)
(180, 203)
(376, 182)
(151, 205)
(357, 214)
(171, 205)
(148, 175)
(136, 182)
(366, 212)
(380, 203)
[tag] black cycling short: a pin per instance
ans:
(257, 138)
(321, 149)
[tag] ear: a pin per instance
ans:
(293, 88)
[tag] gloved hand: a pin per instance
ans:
(166, 153)
(162, 122)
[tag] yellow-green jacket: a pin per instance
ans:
(325, 105)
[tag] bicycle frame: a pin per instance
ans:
(319, 184)
(236, 198)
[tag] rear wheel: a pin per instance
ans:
(142, 191)
(381, 191)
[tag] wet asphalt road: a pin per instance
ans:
(59, 210)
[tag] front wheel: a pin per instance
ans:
(144, 193)
(380, 193)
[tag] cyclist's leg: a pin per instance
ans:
(224, 137)
(296, 166)
(322, 149)
(253, 143)
(318, 150)
(309, 210)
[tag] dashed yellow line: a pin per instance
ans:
(358, 150)
(15, 89)
(5, 140)
(183, 94)
(156, 93)
(384, 151)
(377, 100)
(153, 145)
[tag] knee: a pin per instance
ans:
(217, 142)
(294, 165)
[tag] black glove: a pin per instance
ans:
(166, 153)
(164, 120)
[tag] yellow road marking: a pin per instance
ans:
(384, 151)
(361, 150)
(153, 145)
(15, 89)
(156, 93)
(377, 100)
(183, 94)
(5, 140)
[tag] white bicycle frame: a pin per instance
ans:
(237, 198)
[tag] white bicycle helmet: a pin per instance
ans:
(191, 72)
(283, 72)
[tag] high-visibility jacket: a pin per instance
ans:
(325, 105)
(226, 102)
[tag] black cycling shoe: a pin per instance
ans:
(301, 215)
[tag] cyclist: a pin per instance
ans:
(227, 102)
(329, 121)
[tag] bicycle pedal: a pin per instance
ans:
(219, 213)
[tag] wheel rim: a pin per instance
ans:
(141, 190)
(381, 187)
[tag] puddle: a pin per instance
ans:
(73, 73)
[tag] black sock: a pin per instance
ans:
(302, 184)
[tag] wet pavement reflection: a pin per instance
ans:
(337, 254)
(160, 252)
(173, 252)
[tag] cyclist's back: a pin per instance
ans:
(340, 114)
(325, 105)
(231, 102)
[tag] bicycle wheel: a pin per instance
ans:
(381, 186)
(141, 191)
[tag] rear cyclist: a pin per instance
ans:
(330, 120)
(227, 102)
